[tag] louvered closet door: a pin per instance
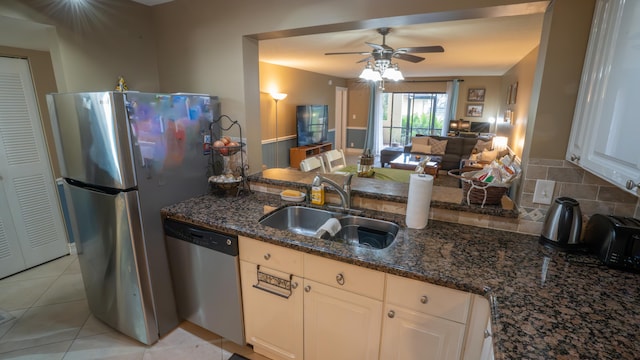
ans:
(31, 231)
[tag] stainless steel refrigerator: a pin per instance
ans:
(124, 156)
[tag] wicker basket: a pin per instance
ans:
(478, 192)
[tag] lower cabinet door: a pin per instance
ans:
(273, 323)
(339, 324)
(409, 335)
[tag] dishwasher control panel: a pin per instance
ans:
(201, 236)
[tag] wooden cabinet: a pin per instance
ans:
(423, 321)
(297, 154)
(605, 126)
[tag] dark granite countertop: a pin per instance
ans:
(443, 197)
(545, 304)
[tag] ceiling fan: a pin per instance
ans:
(385, 52)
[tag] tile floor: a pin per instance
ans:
(50, 319)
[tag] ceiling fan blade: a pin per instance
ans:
(407, 57)
(365, 59)
(348, 53)
(422, 49)
(379, 47)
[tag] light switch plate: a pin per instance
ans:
(544, 191)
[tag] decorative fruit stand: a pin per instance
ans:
(228, 158)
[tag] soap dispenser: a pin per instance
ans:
(317, 191)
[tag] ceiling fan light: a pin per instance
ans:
(392, 73)
(398, 76)
(369, 74)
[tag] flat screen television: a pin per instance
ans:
(480, 127)
(312, 122)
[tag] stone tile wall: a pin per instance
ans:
(594, 194)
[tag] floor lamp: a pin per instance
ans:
(277, 97)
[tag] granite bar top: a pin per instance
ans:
(442, 197)
(545, 304)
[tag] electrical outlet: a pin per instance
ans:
(544, 191)
(352, 145)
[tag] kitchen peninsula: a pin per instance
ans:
(545, 304)
(364, 189)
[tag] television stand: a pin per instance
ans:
(297, 154)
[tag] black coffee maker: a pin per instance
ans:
(563, 225)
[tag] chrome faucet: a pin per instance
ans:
(344, 191)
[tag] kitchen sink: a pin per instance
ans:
(369, 232)
(374, 233)
(298, 219)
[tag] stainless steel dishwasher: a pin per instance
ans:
(206, 278)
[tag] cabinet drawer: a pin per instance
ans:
(273, 256)
(344, 276)
(428, 298)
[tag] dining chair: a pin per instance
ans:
(334, 160)
(313, 163)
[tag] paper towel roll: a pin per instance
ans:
(419, 200)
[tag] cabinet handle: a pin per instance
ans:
(487, 334)
(424, 299)
(391, 314)
(294, 285)
(575, 157)
(632, 184)
(267, 256)
(340, 279)
(307, 288)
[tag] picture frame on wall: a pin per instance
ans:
(476, 94)
(474, 110)
(513, 93)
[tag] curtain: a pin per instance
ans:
(453, 88)
(377, 139)
(373, 137)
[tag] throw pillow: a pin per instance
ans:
(482, 145)
(488, 155)
(438, 146)
(421, 148)
(424, 140)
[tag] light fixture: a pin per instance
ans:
(381, 69)
(277, 97)
(370, 74)
(500, 142)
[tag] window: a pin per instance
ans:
(406, 114)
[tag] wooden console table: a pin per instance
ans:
(297, 154)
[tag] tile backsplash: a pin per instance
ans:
(594, 194)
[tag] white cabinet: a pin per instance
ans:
(326, 309)
(342, 310)
(273, 314)
(479, 342)
(604, 133)
(423, 321)
(339, 324)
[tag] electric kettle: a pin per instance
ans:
(563, 225)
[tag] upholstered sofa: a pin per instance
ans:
(457, 148)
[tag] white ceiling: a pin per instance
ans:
(478, 47)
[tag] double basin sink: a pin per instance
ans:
(353, 229)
